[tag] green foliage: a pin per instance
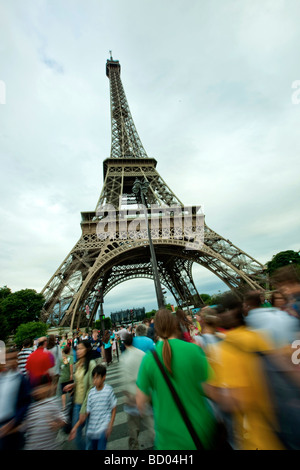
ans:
(97, 325)
(206, 299)
(283, 258)
(20, 307)
(168, 307)
(4, 292)
(107, 323)
(30, 330)
(151, 314)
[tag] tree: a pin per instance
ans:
(4, 292)
(21, 307)
(206, 299)
(151, 314)
(30, 330)
(107, 323)
(283, 258)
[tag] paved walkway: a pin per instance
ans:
(119, 437)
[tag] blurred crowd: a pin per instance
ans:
(224, 378)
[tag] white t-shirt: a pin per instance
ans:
(100, 404)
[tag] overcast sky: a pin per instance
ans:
(210, 87)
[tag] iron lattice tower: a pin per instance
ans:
(97, 263)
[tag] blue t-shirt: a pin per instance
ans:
(144, 343)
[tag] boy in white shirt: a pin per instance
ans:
(101, 411)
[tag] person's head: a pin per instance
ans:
(66, 350)
(51, 342)
(99, 375)
(27, 343)
(141, 330)
(146, 322)
(42, 389)
(251, 300)
(84, 353)
(182, 319)
(287, 279)
(42, 342)
(210, 320)
(230, 311)
(166, 326)
(278, 300)
(127, 340)
(95, 334)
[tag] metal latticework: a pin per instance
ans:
(125, 141)
(114, 245)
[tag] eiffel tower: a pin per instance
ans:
(102, 258)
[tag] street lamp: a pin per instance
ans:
(99, 299)
(140, 189)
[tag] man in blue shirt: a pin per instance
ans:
(141, 340)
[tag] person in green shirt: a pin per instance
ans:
(187, 368)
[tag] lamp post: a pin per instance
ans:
(99, 298)
(140, 188)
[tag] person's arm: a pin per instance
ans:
(141, 400)
(69, 387)
(81, 420)
(71, 371)
(112, 419)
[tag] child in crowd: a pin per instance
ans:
(44, 419)
(101, 411)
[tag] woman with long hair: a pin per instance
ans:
(187, 367)
(185, 325)
(107, 340)
(83, 382)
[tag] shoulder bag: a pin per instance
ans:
(181, 408)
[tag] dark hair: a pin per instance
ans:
(66, 349)
(289, 274)
(51, 342)
(89, 352)
(231, 311)
(99, 370)
(27, 343)
(182, 319)
(127, 339)
(106, 336)
(253, 298)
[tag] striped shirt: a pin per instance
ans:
(100, 404)
(38, 432)
(22, 359)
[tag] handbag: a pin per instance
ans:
(198, 444)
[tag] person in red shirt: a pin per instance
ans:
(39, 362)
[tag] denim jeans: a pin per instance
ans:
(79, 439)
(97, 444)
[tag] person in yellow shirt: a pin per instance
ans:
(239, 386)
